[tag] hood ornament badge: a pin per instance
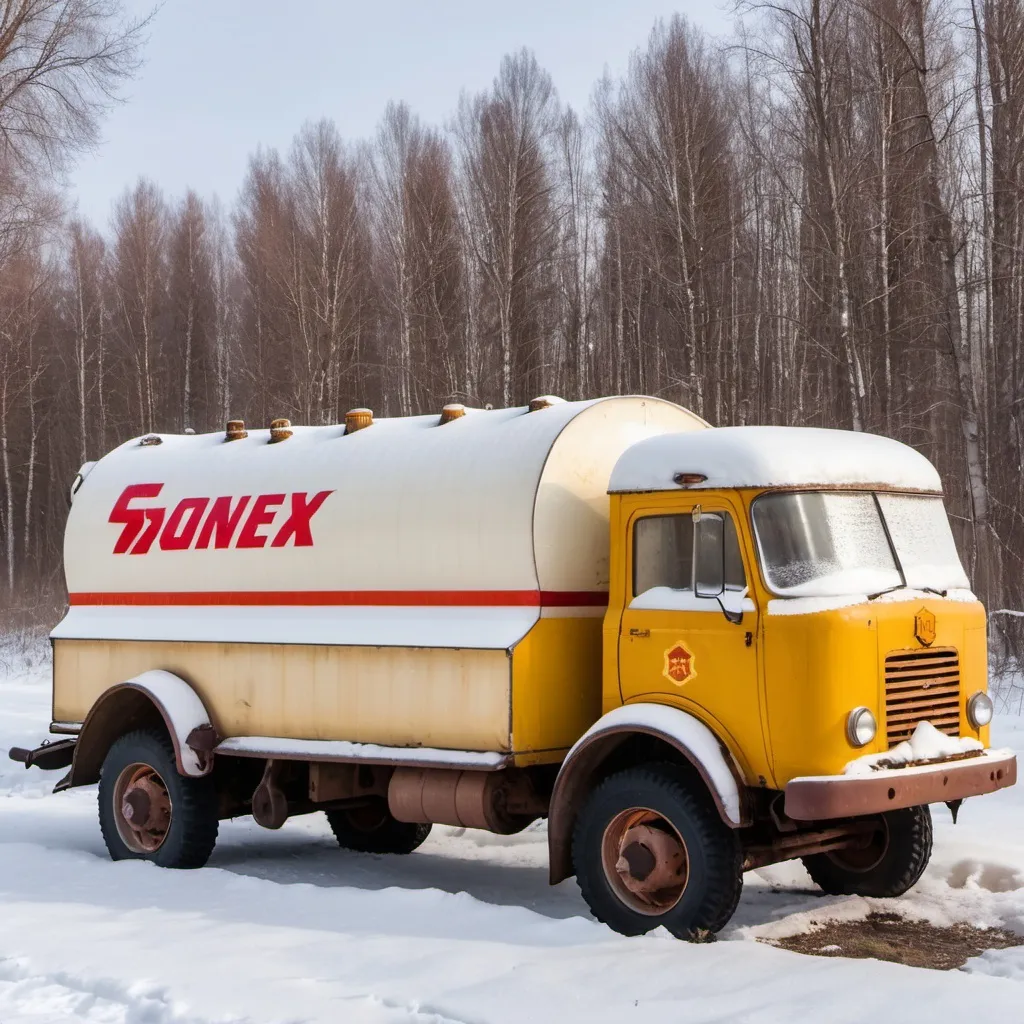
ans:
(924, 627)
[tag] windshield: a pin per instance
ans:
(923, 541)
(822, 544)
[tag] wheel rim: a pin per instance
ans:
(645, 861)
(864, 856)
(368, 819)
(142, 808)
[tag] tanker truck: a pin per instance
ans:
(693, 650)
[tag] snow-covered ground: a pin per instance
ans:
(285, 927)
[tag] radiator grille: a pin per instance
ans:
(922, 686)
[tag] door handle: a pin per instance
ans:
(639, 632)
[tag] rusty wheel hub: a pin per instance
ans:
(142, 808)
(645, 861)
(865, 854)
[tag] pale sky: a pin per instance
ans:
(224, 76)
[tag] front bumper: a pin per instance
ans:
(823, 797)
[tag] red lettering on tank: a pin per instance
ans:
(264, 509)
(182, 524)
(134, 518)
(221, 522)
(297, 524)
(154, 520)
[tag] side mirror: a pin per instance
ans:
(731, 603)
(709, 555)
(709, 566)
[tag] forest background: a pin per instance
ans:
(816, 221)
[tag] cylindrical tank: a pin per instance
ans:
(367, 581)
(493, 509)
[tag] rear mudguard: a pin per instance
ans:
(150, 699)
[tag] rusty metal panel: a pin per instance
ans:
(844, 796)
(922, 685)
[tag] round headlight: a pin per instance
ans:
(860, 727)
(979, 709)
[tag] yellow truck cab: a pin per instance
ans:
(694, 650)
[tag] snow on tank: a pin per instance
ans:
(407, 532)
(773, 457)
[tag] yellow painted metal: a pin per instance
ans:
(960, 625)
(819, 667)
(556, 690)
(780, 705)
(538, 705)
(720, 682)
(973, 666)
(397, 696)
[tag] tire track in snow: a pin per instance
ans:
(30, 997)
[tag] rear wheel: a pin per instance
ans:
(888, 863)
(373, 829)
(650, 849)
(150, 812)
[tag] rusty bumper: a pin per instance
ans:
(820, 798)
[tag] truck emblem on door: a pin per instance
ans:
(924, 627)
(679, 664)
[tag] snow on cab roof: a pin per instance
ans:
(773, 457)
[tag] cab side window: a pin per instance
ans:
(663, 553)
(668, 551)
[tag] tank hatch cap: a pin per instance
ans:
(452, 411)
(280, 430)
(235, 430)
(544, 402)
(358, 419)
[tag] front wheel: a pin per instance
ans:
(373, 829)
(650, 849)
(887, 863)
(150, 812)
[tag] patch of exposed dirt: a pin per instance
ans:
(899, 940)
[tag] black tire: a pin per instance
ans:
(713, 878)
(191, 829)
(894, 862)
(372, 829)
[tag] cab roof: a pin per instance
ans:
(777, 457)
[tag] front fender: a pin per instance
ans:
(148, 699)
(681, 731)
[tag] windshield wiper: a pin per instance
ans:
(907, 586)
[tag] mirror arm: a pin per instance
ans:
(735, 617)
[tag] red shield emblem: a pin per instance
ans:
(679, 664)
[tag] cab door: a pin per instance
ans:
(676, 643)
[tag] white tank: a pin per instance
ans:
(408, 532)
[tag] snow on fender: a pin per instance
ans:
(687, 734)
(183, 713)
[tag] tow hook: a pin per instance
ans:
(48, 756)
